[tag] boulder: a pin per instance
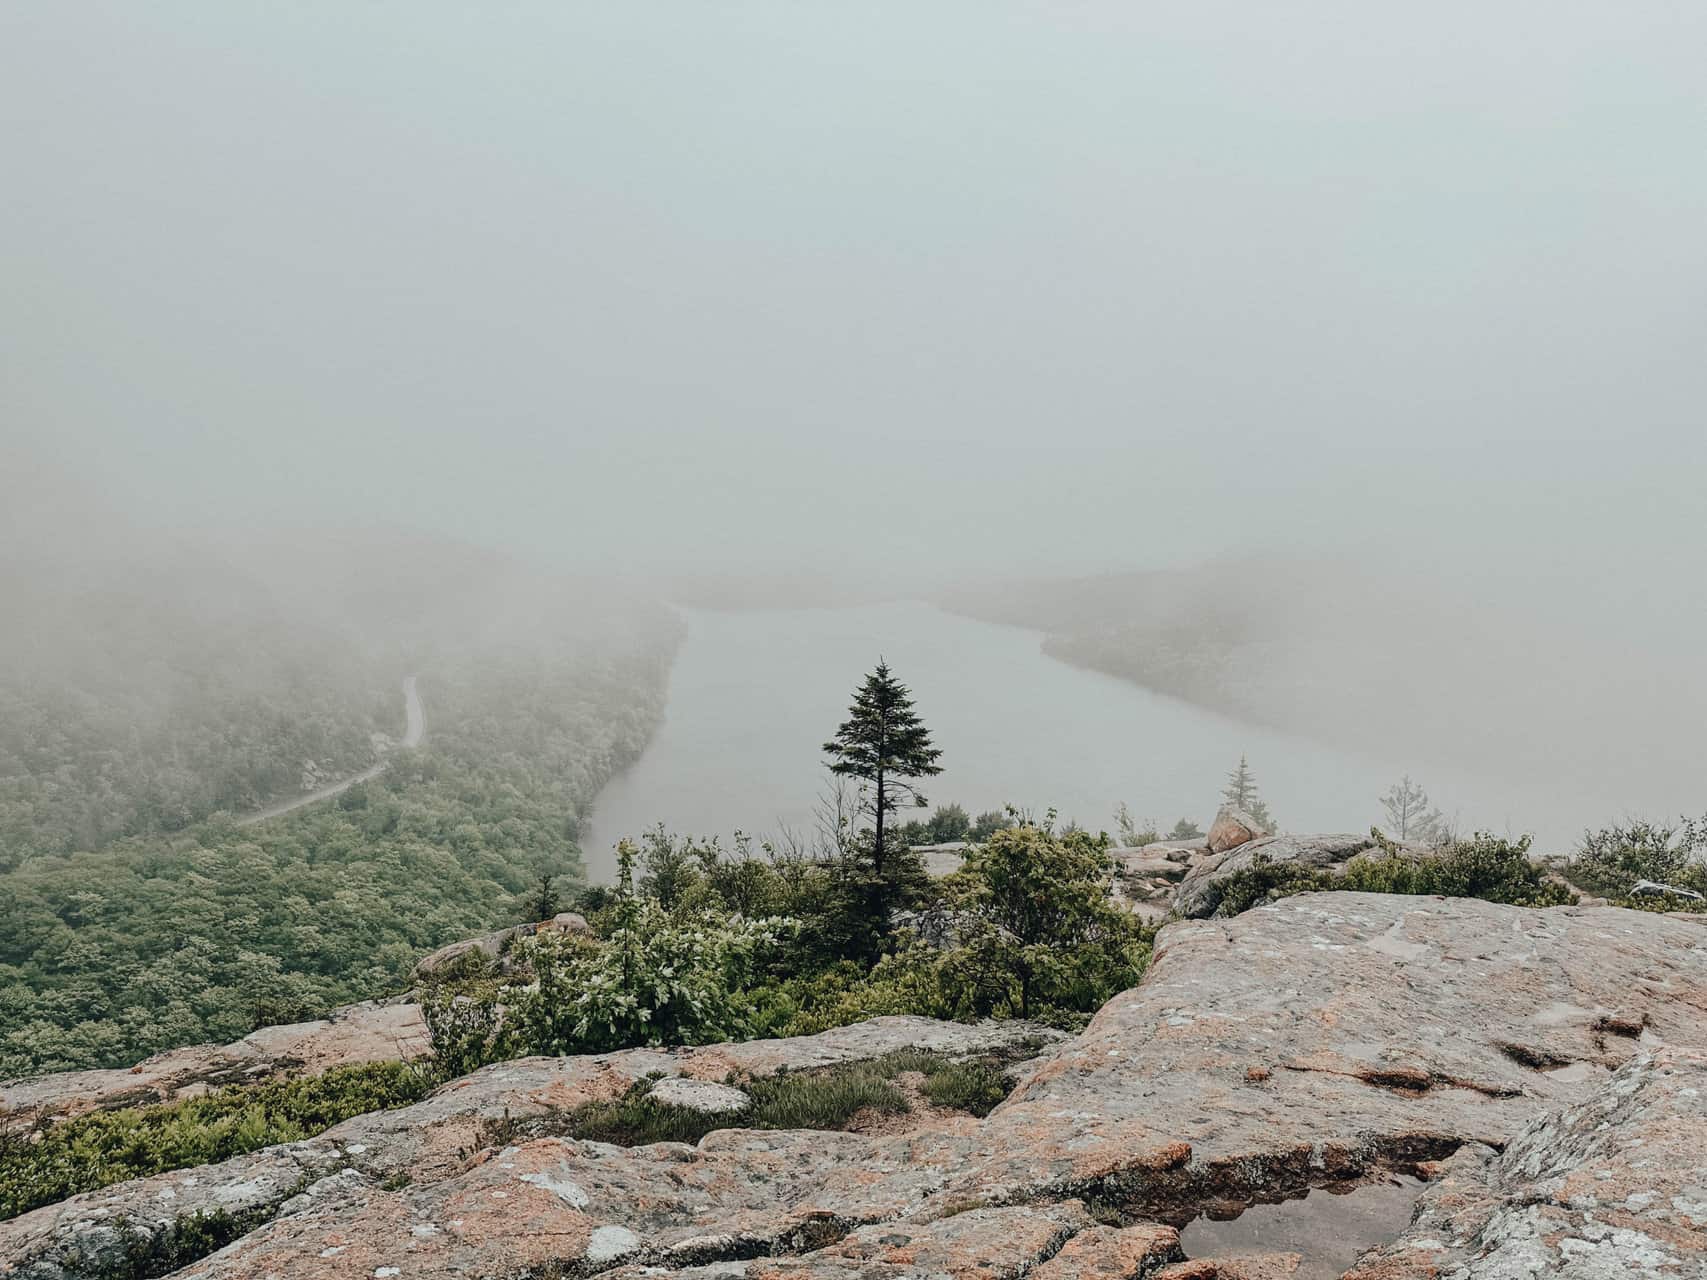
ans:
(488, 949)
(1315, 1042)
(705, 1096)
(1232, 828)
(1200, 891)
(431, 1143)
(942, 859)
(495, 948)
(567, 922)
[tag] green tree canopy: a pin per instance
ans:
(884, 743)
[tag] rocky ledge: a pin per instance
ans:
(383, 1031)
(1318, 1042)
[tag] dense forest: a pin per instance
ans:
(136, 704)
(136, 914)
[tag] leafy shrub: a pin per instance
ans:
(1266, 881)
(96, 1150)
(1486, 867)
(465, 1024)
(826, 1099)
(662, 979)
(1612, 860)
(176, 1244)
(1039, 932)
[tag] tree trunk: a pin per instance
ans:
(877, 839)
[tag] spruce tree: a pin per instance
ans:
(1409, 812)
(1241, 793)
(883, 742)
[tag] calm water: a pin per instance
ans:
(754, 695)
(1328, 1228)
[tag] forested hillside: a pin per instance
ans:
(143, 702)
(140, 916)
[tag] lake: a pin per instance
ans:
(755, 694)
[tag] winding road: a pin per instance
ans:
(414, 729)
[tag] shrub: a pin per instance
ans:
(1266, 881)
(1612, 860)
(466, 1026)
(1039, 933)
(826, 1099)
(662, 978)
(1486, 867)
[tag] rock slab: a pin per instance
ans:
(1314, 1042)
(372, 1032)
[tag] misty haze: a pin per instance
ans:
(994, 591)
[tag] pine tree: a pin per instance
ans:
(544, 904)
(1409, 812)
(1241, 793)
(884, 743)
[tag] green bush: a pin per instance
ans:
(1265, 881)
(92, 1151)
(1612, 860)
(1038, 932)
(1487, 867)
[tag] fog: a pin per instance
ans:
(1386, 325)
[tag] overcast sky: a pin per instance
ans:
(974, 287)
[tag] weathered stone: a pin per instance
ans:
(1613, 1186)
(705, 1096)
(1656, 889)
(1254, 1266)
(373, 1032)
(488, 949)
(942, 859)
(1232, 828)
(433, 1140)
(1314, 1042)
(567, 922)
(1200, 892)
(1113, 1253)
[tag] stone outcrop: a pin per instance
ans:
(1232, 828)
(705, 1096)
(1612, 1186)
(493, 948)
(448, 1135)
(1146, 876)
(1200, 890)
(387, 1031)
(1314, 1042)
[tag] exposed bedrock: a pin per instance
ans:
(1318, 1041)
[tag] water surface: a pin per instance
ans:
(754, 695)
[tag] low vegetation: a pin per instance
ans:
(1025, 929)
(1616, 859)
(1486, 866)
(44, 1165)
(823, 1098)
